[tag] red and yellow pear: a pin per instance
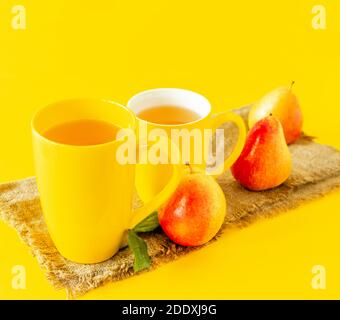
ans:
(195, 212)
(282, 103)
(265, 161)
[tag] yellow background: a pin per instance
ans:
(232, 52)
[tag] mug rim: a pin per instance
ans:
(170, 89)
(36, 114)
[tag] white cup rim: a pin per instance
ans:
(191, 100)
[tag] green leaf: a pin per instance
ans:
(140, 251)
(150, 223)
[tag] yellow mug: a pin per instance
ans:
(149, 178)
(86, 194)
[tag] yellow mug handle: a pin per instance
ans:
(141, 213)
(216, 121)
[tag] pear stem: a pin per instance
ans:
(291, 85)
(190, 167)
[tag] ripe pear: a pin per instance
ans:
(283, 104)
(265, 161)
(195, 212)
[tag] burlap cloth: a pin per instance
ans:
(316, 170)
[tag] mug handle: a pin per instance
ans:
(216, 121)
(141, 213)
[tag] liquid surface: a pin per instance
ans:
(168, 115)
(82, 132)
